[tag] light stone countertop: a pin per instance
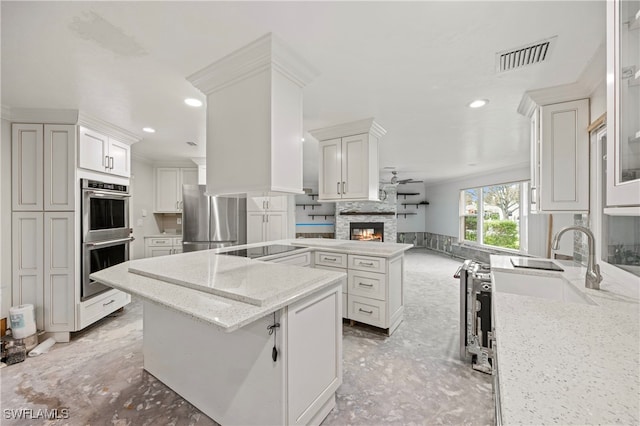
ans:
(365, 248)
(568, 363)
(163, 235)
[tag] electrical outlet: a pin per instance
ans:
(179, 221)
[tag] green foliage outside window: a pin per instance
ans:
(501, 233)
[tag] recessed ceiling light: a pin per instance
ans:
(191, 143)
(478, 103)
(193, 102)
(301, 139)
(149, 129)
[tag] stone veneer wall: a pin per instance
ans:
(388, 205)
(580, 243)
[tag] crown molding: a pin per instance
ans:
(267, 52)
(138, 157)
(592, 76)
(107, 128)
(40, 115)
(359, 127)
(5, 112)
(200, 161)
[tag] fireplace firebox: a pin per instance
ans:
(367, 231)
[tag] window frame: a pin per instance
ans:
(523, 211)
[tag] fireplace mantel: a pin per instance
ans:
(367, 213)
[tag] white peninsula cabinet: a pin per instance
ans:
(102, 153)
(168, 187)
(267, 218)
(348, 161)
(155, 246)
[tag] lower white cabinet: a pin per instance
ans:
(303, 259)
(44, 263)
(100, 306)
(374, 291)
(266, 226)
(162, 246)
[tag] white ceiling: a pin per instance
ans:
(414, 66)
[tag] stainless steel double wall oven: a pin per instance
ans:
(106, 233)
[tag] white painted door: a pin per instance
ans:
(564, 163)
(314, 340)
(255, 227)
(167, 188)
(27, 272)
(59, 271)
(93, 150)
(275, 226)
(119, 158)
(27, 171)
(59, 167)
(355, 167)
(330, 169)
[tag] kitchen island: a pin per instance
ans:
(562, 359)
(243, 340)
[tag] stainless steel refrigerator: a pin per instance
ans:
(211, 222)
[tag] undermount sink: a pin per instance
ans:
(547, 287)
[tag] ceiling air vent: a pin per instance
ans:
(530, 54)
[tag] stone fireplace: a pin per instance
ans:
(382, 212)
(366, 231)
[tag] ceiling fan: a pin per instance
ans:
(395, 181)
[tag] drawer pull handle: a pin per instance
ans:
(109, 302)
(366, 312)
(366, 263)
(365, 284)
(331, 259)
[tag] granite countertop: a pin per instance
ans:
(366, 248)
(163, 236)
(568, 363)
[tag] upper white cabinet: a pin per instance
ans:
(43, 162)
(623, 103)
(267, 203)
(168, 187)
(348, 161)
(254, 118)
(103, 154)
(559, 154)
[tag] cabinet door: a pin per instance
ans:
(330, 169)
(355, 166)
(564, 163)
(278, 203)
(59, 167)
(119, 158)
(158, 251)
(276, 226)
(27, 275)
(167, 188)
(188, 176)
(256, 203)
(255, 227)
(93, 150)
(59, 271)
(26, 162)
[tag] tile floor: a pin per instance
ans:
(412, 377)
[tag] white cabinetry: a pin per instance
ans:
(267, 218)
(623, 103)
(560, 157)
(162, 246)
(348, 168)
(102, 153)
(168, 187)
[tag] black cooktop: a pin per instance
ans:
(547, 265)
(256, 252)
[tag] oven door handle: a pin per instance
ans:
(104, 243)
(107, 194)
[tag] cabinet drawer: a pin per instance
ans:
(303, 259)
(177, 242)
(159, 242)
(367, 284)
(368, 263)
(366, 310)
(100, 306)
(326, 258)
(344, 282)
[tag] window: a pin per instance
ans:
(492, 216)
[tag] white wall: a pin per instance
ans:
(141, 199)
(412, 223)
(5, 219)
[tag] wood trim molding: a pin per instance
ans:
(108, 129)
(42, 115)
(597, 122)
(359, 127)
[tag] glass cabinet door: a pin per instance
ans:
(623, 94)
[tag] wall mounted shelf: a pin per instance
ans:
(421, 203)
(406, 214)
(312, 205)
(322, 215)
(367, 213)
(404, 194)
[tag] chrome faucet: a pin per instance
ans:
(593, 277)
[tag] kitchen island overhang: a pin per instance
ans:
(218, 352)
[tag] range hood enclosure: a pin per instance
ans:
(254, 118)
